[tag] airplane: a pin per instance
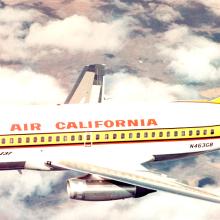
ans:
(107, 144)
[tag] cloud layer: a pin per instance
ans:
(154, 36)
(191, 57)
(124, 87)
(29, 87)
(12, 32)
(78, 33)
(24, 33)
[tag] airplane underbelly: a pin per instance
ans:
(35, 158)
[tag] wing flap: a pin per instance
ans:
(147, 180)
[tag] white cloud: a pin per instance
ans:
(17, 188)
(159, 206)
(212, 5)
(28, 87)
(165, 13)
(191, 57)
(129, 88)
(22, 34)
(13, 32)
(78, 33)
(40, 183)
(11, 15)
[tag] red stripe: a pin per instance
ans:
(103, 143)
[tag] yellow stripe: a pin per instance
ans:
(109, 136)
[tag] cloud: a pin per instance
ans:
(21, 193)
(211, 93)
(26, 32)
(33, 194)
(40, 183)
(125, 87)
(28, 87)
(212, 5)
(165, 13)
(78, 33)
(13, 29)
(191, 57)
(19, 190)
(11, 15)
(159, 205)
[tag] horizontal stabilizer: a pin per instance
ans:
(216, 100)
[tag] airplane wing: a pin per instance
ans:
(147, 180)
(88, 87)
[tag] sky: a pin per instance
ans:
(154, 51)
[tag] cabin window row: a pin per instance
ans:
(161, 134)
(37, 139)
(107, 136)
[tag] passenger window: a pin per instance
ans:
(97, 137)
(57, 138)
(11, 140)
(145, 134)
(35, 139)
(106, 136)
(175, 133)
(19, 140)
(42, 139)
(114, 136)
(153, 134)
(168, 133)
(183, 133)
(138, 135)
(65, 138)
(161, 134)
(72, 137)
(50, 139)
(80, 137)
(197, 132)
(212, 131)
(3, 141)
(88, 137)
(122, 135)
(190, 133)
(205, 132)
(130, 135)
(27, 140)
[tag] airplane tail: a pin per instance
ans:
(89, 86)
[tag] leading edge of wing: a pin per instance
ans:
(146, 179)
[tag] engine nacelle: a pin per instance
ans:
(103, 190)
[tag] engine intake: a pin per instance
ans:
(103, 190)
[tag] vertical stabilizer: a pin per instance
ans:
(88, 87)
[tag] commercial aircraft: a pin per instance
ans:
(107, 144)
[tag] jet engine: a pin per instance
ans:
(103, 190)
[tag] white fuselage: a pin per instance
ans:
(106, 133)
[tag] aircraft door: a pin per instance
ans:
(88, 139)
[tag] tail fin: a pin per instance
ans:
(89, 86)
